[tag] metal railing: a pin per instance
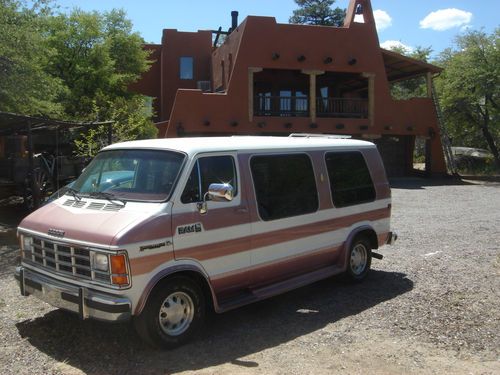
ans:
(286, 106)
(291, 106)
(342, 107)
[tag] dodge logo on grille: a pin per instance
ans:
(55, 232)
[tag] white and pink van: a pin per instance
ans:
(161, 230)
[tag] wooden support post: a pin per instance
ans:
(31, 163)
(110, 134)
(312, 92)
(371, 97)
(312, 97)
(428, 79)
(251, 71)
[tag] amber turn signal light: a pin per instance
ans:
(118, 264)
(119, 269)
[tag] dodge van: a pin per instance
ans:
(159, 231)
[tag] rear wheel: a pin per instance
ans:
(173, 314)
(359, 259)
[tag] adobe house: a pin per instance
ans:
(276, 79)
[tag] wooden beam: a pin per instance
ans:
(371, 97)
(251, 72)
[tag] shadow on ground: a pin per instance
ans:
(96, 347)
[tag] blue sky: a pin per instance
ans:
(412, 23)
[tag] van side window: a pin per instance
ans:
(284, 185)
(350, 180)
(206, 171)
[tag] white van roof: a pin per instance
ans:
(195, 145)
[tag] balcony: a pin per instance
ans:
(342, 107)
(292, 106)
(284, 106)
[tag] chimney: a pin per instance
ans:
(234, 20)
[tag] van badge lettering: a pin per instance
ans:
(56, 232)
(190, 228)
(154, 246)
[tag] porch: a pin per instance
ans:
(295, 93)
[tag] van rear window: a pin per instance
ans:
(284, 185)
(350, 180)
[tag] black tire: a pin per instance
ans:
(174, 313)
(359, 259)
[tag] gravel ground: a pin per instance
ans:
(430, 306)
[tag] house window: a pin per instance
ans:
(186, 67)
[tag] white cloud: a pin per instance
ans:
(445, 19)
(382, 19)
(392, 44)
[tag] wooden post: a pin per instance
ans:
(251, 71)
(371, 97)
(428, 78)
(31, 163)
(110, 134)
(312, 92)
(312, 97)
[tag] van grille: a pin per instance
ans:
(65, 260)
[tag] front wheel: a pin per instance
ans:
(173, 314)
(359, 259)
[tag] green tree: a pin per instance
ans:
(317, 12)
(25, 85)
(469, 90)
(97, 56)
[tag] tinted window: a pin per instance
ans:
(186, 68)
(350, 180)
(206, 171)
(284, 185)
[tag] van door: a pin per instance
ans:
(218, 240)
(289, 234)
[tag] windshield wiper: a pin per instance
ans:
(109, 196)
(74, 193)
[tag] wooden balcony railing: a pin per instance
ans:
(284, 106)
(289, 106)
(342, 107)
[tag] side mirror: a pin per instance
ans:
(221, 192)
(217, 193)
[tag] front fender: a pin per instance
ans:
(169, 271)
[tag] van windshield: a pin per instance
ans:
(135, 175)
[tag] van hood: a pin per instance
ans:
(105, 228)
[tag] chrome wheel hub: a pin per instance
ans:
(176, 313)
(359, 258)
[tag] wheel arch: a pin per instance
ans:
(362, 231)
(187, 270)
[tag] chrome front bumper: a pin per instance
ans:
(87, 303)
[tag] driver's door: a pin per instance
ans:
(218, 240)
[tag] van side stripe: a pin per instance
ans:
(146, 264)
(223, 248)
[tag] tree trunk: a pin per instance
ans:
(489, 137)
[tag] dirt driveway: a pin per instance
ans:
(432, 305)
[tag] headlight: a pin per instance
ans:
(27, 242)
(100, 262)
